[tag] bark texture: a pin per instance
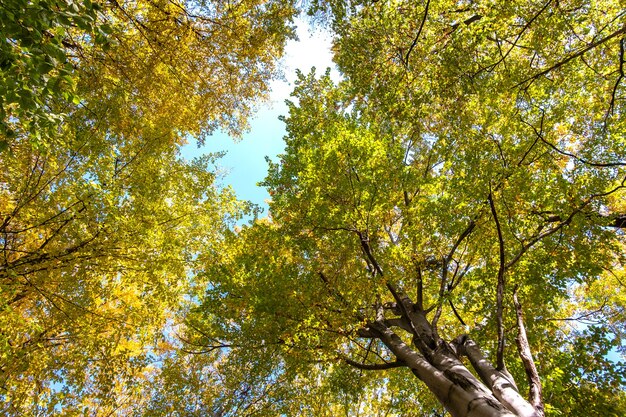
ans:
(438, 364)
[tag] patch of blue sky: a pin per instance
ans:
(243, 166)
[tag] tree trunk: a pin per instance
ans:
(437, 363)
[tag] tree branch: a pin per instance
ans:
(519, 35)
(573, 56)
(424, 337)
(621, 220)
(582, 316)
(368, 253)
(534, 391)
(454, 386)
(539, 135)
(456, 313)
(500, 289)
(619, 78)
(420, 288)
(499, 382)
(374, 366)
(419, 32)
(466, 233)
(401, 323)
(444, 274)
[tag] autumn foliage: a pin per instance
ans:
(445, 235)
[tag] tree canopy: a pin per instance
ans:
(446, 228)
(101, 220)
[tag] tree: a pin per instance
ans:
(93, 251)
(193, 66)
(101, 220)
(448, 209)
(34, 64)
(462, 188)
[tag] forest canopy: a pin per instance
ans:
(445, 232)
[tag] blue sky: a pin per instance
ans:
(244, 163)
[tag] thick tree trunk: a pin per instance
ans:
(453, 385)
(437, 363)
